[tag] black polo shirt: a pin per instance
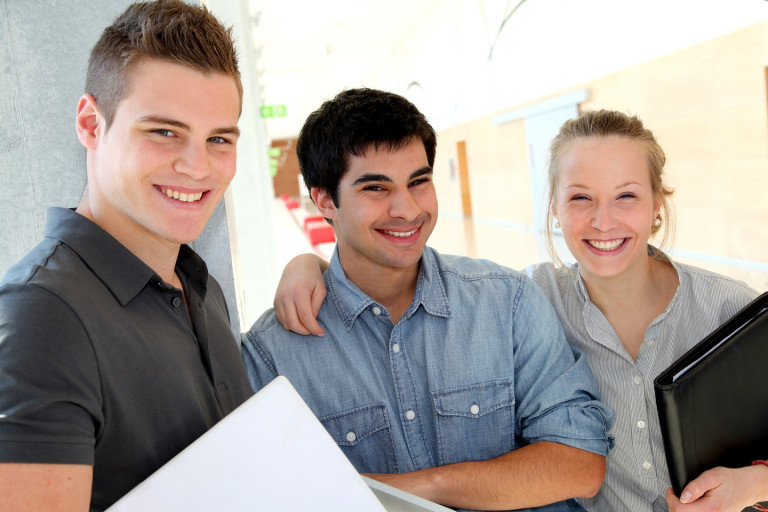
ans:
(102, 364)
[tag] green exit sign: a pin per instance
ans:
(273, 111)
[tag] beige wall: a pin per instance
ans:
(707, 106)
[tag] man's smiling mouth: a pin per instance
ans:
(181, 196)
(401, 234)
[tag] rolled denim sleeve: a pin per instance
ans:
(259, 365)
(556, 393)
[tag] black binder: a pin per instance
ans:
(713, 401)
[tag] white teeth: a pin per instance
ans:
(181, 196)
(608, 245)
(400, 234)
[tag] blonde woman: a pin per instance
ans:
(624, 303)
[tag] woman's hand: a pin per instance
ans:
(722, 489)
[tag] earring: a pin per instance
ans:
(557, 224)
(657, 222)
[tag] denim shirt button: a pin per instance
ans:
(474, 409)
(350, 437)
(409, 415)
(376, 310)
(396, 348)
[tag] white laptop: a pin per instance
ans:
(269, 454)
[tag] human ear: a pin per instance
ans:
(324, 203)
(554, 216)
(87, 121)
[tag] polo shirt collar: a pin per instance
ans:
(124, 274)
(350, 301)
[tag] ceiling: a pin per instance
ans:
(308, 50)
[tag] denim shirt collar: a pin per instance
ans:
(350, 301)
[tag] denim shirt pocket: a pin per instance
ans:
(475, 422)
(365, 437)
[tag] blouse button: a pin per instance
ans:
(474, 409)
(376, 310)
(350, 437)
(396, 348)
(641, 424)
(646, 465)
(637, 380)
(409, 415)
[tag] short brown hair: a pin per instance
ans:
(606, 123)
(170, 30)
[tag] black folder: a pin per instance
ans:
(713, 401)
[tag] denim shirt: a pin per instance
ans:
(477, 367)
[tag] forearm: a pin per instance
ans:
(45, 487)
(534, 475)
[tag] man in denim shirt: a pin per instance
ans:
(445, 376)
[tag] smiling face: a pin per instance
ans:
(605, 204)
(156, 175)
(387, 210)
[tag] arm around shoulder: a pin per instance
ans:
(300, 294)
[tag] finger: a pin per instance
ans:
(288, 317)
(308, 314)
(672, 501)
(699, 486)
(318, 296)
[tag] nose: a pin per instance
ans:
(404, 205)
(603, 218)
(193, 161)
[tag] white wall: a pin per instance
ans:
(546, 46)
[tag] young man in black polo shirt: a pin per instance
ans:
(115, 344)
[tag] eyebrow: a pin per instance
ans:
(367, 178)
(232, 130)
(580, 186)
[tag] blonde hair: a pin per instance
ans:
(605, 123)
